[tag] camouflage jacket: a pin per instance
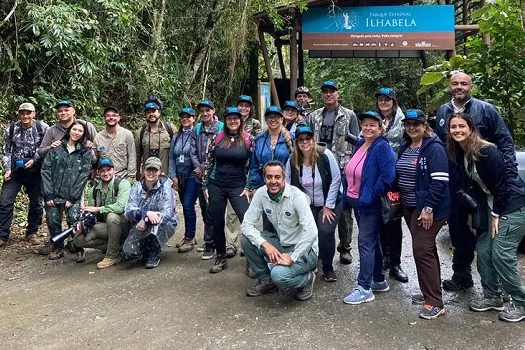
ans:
(252, 126)
(64, 174)
(345, 123)
(22, 143)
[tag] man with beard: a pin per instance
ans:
(66, 114)
(492, 129)
(154, 138)
(331, 124)
(22, 169)
(118, 144)
(203, 134)
(292, 250)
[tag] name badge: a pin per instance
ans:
(268, 211)
(181, 158)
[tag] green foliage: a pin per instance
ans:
(497, 69)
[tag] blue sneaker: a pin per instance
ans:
(359, 295)
(380, 286)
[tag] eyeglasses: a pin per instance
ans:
(305, 140)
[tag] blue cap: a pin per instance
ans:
(206, 103)
(303, 129)
(64, 103)
(291, 104)
(151, 105)
(187, 110)
(273, 110)
(386, 91)
(416, 115)
(329, 83)
(245, 98)
(370, 114)
(232, 110)
(104, 161)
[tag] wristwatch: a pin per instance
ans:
(428, 210)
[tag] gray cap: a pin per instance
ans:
(153, 162)
(26, 106)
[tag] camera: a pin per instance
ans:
(466, 200)
(154, 153)
(87, 221)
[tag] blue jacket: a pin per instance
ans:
(490, 126)
(432, 177)
(262, 154)
(379, 171)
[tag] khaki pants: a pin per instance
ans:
(106, 236)
(232, 228)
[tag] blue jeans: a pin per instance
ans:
(188, 192)
(370, 254)
(285, 277)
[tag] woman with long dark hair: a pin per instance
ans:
(391, 234)
(65, 172)
(504, 199)
(225, 178)
(183, 177)
(422, 176)
(314, 169)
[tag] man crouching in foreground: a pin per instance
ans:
(293, 250)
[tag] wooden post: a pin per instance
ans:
(300, 52)
(264, 50)
(293, 55)
(279, 48)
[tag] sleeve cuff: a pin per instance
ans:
(494, 214)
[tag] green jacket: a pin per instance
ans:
(64, 174)
(109, 200)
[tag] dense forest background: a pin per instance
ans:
(100, 52)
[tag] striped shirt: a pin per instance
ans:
(406, 172)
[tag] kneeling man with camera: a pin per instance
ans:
(285, 259)
(107, 199)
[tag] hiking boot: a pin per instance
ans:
(107, 262)
(512, 313)
(3, 242)
(330, 276)
(418, 299)
(56, 254)
(456, 284)
(307, 291)
(380, 286)
(81, 255)
(32, 239)
(186, 245)
(398, 274)
(153, 260)
(429, 312)
(345, 258)
(208, 254)
(46, 249)
(230, 252)
(201, 248)
(359, 295)
(263, 286)
(220, 264)
(486, 304)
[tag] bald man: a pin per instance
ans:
(493, 129)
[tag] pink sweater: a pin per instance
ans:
(353, 171)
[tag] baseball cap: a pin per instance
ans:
(329, 83)
(386, 91)
(232, 110)
(370, 114)
(151, 105)
(187, 110)
(245, 98)
(206, 103)
(273, 110)
(111, 108)
(26, 106)
(64, 103)
(303, 129)
(153, 162)
(291, 104)
(302, 90)
(416, 115)
(104, 161)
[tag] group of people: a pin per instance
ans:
(279, 193)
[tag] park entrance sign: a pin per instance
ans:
(379, 28)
